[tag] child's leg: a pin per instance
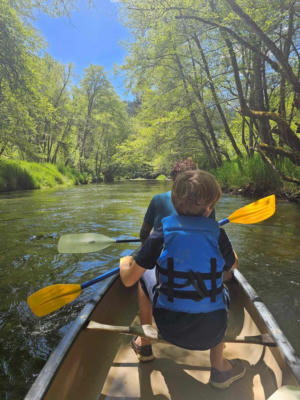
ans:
(217, 359)
(224, 373)
(145, 312)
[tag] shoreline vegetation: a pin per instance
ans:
(24, 175)
(218, 82)
(247, 177)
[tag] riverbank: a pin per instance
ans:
(246, 177)
(253, 178)
(23, 175)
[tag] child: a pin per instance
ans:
(185, 290)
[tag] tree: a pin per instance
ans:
(226, 54)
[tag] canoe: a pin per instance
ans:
(98, 364)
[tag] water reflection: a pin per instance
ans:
(32, 222)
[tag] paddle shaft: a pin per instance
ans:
(127, 240)
(223, 221)
(117, 269)
(100, 278)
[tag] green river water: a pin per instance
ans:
(31, 223)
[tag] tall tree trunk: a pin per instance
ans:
(216, 99)
(270, 45)
(204, 111)
(59, 143)
(213, 161)
(264, 129)
(237, 78)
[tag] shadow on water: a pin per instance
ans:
(32, 222)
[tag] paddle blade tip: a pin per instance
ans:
(75, 243)
(52, 298)
(35, 307)
(255, 212)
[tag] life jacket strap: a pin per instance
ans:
(188, 294)
(196, 279)
(185, 275)
(170, 286)
(198, 284)
(213, 269)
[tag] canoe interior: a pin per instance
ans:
(101, 365)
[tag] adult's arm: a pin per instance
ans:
(148, 222)
(145, 231)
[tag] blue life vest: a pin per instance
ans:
(190, 267)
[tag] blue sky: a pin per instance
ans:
(87, 36)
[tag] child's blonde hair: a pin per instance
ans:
(193, 191)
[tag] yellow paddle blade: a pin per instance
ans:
(254, 212)
(51, 298)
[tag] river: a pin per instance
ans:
(32, 222)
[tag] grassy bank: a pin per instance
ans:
(254, 177)
(23, 175)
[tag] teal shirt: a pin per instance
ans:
(161, 206)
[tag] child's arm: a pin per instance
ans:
(236, 263)
(130, 271)
(229, 255)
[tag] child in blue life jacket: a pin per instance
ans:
(180, 269)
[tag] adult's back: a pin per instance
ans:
(161, 206)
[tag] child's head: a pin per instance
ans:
(195, 192)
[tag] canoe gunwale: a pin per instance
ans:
(287, 352)
(40, 386)
(283, 352)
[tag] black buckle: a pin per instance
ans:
(198, 285)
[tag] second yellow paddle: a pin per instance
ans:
(91, 242)
(252, 213)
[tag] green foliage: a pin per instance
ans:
(43, 118)
(23, 175)
(252, 171)
(14, 177)
(73, 174)
(161, 178)
(188, 99)
(201, 72)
